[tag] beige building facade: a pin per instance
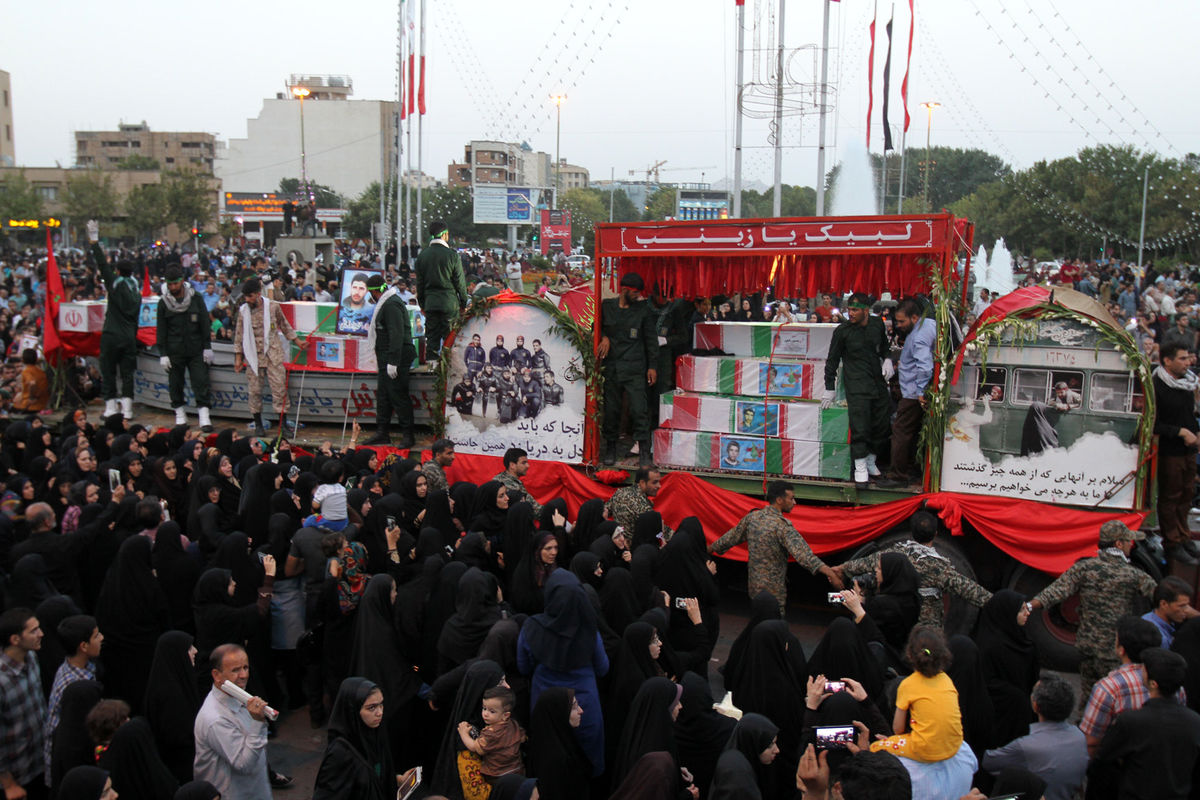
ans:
(8, 150)
(173, 150)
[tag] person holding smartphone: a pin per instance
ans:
(358, 758)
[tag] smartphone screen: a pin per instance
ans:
(835, 597)
(409, 785)
(834, 686)
(114, 479)
(834, 737)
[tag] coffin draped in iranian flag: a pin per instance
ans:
(794, 340)
(758, 377)
(802, 420)
(756, 455)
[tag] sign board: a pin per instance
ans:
(556, 231)
(701, 204)
(506, 205)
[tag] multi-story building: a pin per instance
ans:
(346, 143)
(571, 176)
(8, 152)
(171, 150)
(491, 163)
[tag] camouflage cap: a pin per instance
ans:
(1115, 531)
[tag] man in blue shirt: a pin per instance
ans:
(1172, 605)
(916, 371)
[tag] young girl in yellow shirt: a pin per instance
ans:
(928, 724)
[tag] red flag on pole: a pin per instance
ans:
(907, 64)
(412, 73)
(421, 87)
(146, 289)
(51, 344)
(871, 77)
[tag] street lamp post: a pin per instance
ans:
(558, 101)
(929, 106)
(301, 92)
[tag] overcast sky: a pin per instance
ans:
(646, 80)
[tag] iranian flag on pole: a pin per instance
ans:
(51, 343)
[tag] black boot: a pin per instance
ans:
(610, 454)
(382, 436)
(258, 424)
(406, 440)
(1177, 553)
(645, 458)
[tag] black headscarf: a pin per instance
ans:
(28, 585)
(413, 504)
(486, 516)
(682, 569)
(763, 607)
(368, 746)
(603, 546)
(648, 727)
(234, 555)
(513, 787)
(655, 776)
(843, 653)
(768, 683)
(412, 602)
(1010, 664)
(631, 667)
(555, 757)
(463, 493)
(50, 612)
(476, 609)
(481, 675)
(438, 516)
(258, 486)
(84, 783)
(132, 613)
(584, 565)
(647, 529)
(518, 533)
(472, 550)
(197, 790)
(1187, 644)
(974, 703)
(564, 637)
(439, 608)
(72, 746)
(173, 700)
(377, 654)
(177, 574)
(527, 587)
(751, 736)
(618, 600)
(700, 732)
(133, 761)
(733, 778)
(896, 604)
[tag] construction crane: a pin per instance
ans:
(651, 170)
(656, 168)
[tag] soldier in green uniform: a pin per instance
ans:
(936, 575)
(185, 341)
(630, 502)
(516, 464)
(770, 537)
(441, 287)
(859, 345)
(390, 336)
(118, 338)
(629, 355)
(442, 452)
(1107, 584)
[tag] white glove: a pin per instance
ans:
(827, 398)
(208, 356)
(165, 363)
(889, 369)
(93, 231)
(392, 370)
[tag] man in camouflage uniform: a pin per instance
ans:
(258, 348)
(434, 469)
(516, 464)
(630, 502)
(1107, 585)
(935, 574)
(770, 537)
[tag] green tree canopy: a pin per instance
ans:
(190, 198)
(18, 198)
(138, 161)
(147, 211)
(325, 197)
(90, 195)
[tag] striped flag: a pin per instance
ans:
(887, 81)
(871, 76)
(907, 65)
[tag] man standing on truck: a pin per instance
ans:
(860, 346)
(916, 371)
(770, 537)
(1107, 585)
(441, 287)
(1175, 425)
(628, 354)
(118, 339)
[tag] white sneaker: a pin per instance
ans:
(110, 407)
(205, 420)
(872, 470)
(860, 470)
(127, 407)
(181, 416)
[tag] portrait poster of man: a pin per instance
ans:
(355, 306)
(757, 419)
(739, 453)
(514, 382)
(785, 380)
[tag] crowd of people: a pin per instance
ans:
(155, 624)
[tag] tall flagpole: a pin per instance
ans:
(777, 203)
(420, 127)
(400, 139)
(824, 113)
(737, 125)
(904, 99)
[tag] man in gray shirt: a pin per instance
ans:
(1054, 750)
(231, 738)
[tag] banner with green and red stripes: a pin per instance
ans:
(751, 454)
(802, 420)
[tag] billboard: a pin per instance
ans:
(506, 205)
(693, 204)
(556, 231)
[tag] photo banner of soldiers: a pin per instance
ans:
(354, 304)
(514, 382)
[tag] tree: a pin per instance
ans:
(90, 195)
(139, 161)
(325, 197)
(660, 205)
(363, 211)
(190, 198)
(18, 198)
(147, 210)
(587, 207)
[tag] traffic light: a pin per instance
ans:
(195, 231)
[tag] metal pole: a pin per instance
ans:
(420, 129)
(928, 159)
(612, 190)
(303, 152)
(737, 125)
(903, 155)
(383, 226)
(408, 208)
(557, 145)
(821, 129)
(1142, 234)
(777, 204)
(399, 138)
